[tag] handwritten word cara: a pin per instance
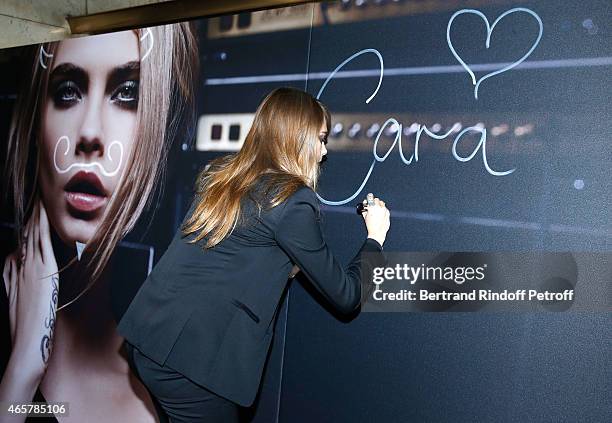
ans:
(397, 127)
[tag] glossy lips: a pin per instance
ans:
(85, 192)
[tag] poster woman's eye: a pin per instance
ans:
(66, 94)
(126, 94)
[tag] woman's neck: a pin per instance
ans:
(85, 330)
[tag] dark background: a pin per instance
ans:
(438, 367)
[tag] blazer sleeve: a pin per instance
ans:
(299, 234)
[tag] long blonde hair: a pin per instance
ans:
(167, 79)
(282, 142)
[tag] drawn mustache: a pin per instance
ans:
(88, 165)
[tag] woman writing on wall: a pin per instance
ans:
(87, 146)
(200, 327)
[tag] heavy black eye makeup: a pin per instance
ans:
(126, 94)
(123, 85)
(67, 85)
(67, 93)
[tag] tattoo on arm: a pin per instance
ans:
(46, 344)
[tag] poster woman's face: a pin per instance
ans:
(88, 128)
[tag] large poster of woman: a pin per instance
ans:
(86, 151)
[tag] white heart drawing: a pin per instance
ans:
(488, 41)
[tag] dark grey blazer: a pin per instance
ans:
(210, 314)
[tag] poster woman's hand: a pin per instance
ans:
(32, 285)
